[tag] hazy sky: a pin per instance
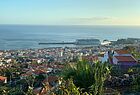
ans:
(70, 12)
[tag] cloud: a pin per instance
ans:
(92, 20)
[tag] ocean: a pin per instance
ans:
(28, 36)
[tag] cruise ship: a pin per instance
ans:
(87, 42)
(79, 42)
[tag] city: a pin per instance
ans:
(69, 47)
(35, 68)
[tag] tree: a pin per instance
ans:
(88, 77)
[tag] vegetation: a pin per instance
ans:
(133, 50)
(67, 88)
(101, 72)
(81, 73)
(80, 78)
(88, 78)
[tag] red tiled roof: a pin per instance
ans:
(125, 58)
(90, 58)
(2, 78)
(122, 51)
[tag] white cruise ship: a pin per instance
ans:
(87, 42)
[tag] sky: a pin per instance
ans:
(70, 12)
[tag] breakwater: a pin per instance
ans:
(57, 43)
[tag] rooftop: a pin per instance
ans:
(122, 51)
(125, 58)
(2, 78)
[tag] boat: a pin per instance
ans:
(79, 42)
(87, 42)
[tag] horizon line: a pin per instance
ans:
(69, 25)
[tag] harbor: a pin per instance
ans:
(77, 42)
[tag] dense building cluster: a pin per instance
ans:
(49, 62)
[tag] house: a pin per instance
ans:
(120, 57)
(3, 79)
(123, 57)
(124, 61)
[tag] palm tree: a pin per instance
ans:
(88, 77)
